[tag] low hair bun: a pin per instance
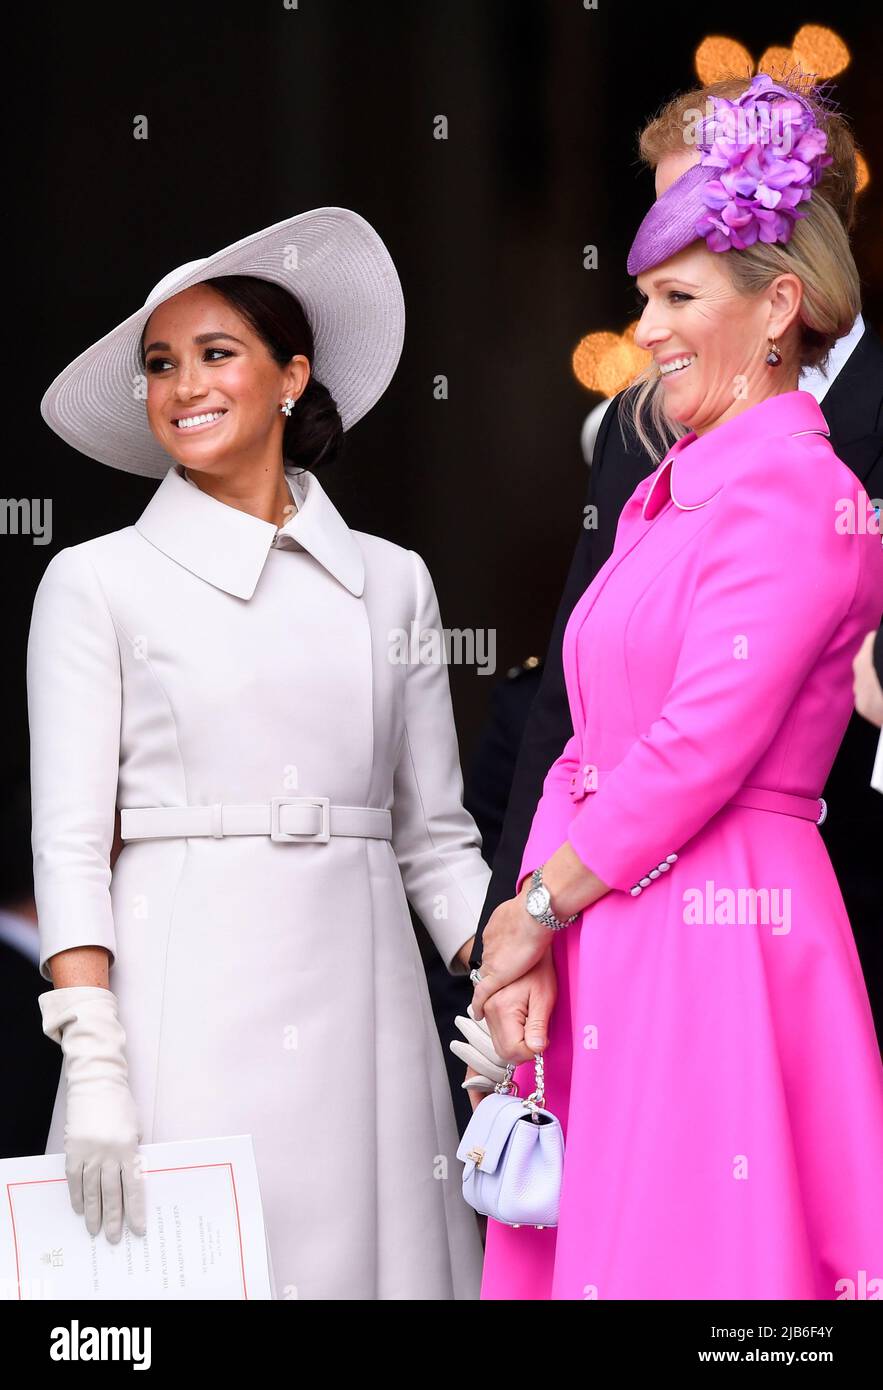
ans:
(314, 433)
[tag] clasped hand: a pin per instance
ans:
(517, 992)
(513, 943)
(518, 985)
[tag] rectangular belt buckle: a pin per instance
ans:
(321, 836)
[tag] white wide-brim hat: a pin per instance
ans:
(348, 287)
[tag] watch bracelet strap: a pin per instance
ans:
(556, 923)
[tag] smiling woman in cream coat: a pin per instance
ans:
(260, 945)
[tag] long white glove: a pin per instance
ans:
(479, 1053)
(101, 1132)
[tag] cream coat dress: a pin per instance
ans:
(267, 987)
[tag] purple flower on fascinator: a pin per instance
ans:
(771, 155)
(760, 156)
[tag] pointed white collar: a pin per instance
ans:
(228, 547)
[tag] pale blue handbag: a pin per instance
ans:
(513, 1151)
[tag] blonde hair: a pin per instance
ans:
(818, 253)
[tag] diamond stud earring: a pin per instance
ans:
(287, 406)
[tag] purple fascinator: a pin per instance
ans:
(760, 157)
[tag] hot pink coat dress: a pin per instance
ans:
(712, 1054)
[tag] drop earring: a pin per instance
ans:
(287, 405)
(774, 356)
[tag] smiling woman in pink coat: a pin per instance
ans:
(711, 1051)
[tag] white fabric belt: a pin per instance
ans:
(297, 818)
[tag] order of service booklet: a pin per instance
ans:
(205, 1235)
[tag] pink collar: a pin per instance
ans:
(696, 466)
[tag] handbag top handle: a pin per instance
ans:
(537, 1098)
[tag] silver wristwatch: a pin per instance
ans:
(539, 903)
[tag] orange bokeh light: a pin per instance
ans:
(608, 362)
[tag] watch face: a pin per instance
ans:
(537, 901)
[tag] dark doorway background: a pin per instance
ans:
(256, 112)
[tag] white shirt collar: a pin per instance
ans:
(812, 379)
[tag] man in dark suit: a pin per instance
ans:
(852, 402)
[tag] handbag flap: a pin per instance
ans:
(487, 1133)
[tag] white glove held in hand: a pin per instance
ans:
(478, 1052)
(101, 1132)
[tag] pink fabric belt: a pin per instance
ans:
(812, 808)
